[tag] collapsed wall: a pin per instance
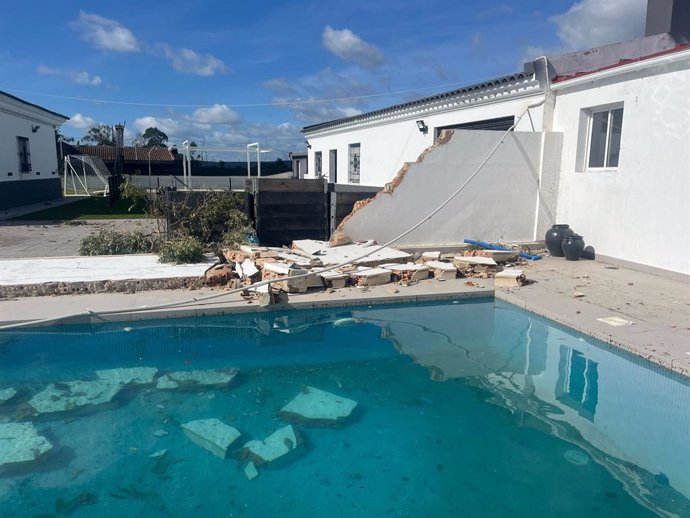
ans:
(499, 204)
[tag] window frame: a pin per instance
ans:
(352, 175)
(591, 112)
(318, 163)
(23, 154)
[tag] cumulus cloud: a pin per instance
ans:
(167, 125)
(188, 61)
(84, 78)
(80, 121)
(104, 33)
(216, 114)
(348, 46)
(593, 23)
(78, 77)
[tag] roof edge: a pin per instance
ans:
(473, 88)
(27, 103)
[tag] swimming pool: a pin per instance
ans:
(475, 408)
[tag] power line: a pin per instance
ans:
(241, 105)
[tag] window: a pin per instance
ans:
(333, 166)
(318, 164)
(24, 154)
(604, 138)
(354, 163)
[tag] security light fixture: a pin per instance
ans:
(34, 129)
(423, 128)
(308, 144)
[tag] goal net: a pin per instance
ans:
(85, 176)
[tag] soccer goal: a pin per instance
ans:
(85, 176)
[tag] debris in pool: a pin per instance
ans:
(162, 407)
(576, 457)
(250, 471)
(210, 395)
(125, 376)
(615, 321)
(315, 407)
(281, 442)
(159, 453)
(21, 443)
(127, 329)
(160, 433)
(70, 395)
(197, 378)
(64, 507)
(344, 322)
(6, 395)
(212, 435)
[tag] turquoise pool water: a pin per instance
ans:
(469, 409)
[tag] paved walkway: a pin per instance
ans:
(21, 240)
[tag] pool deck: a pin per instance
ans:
(658, 305)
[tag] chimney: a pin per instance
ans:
(669, 16)
(119, 135)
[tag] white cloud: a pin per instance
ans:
(84, 78)
(216, 114)
(79, 77)
(80, 121)
(48, 71)
(167, 125)
(591, 23)
(188, 61)
(104, 33)
(348, 46)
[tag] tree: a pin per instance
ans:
(153, 137)
(100, 135)
(61, 136)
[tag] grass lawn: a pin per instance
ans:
(89, 208)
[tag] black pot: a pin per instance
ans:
(572, 247)
(554, 238)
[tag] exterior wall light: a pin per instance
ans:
(423, 128)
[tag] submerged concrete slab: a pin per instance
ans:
(316, 407)
(125, 376)
(197, 379)
(7, 394)
(20, 443)
(212, 435)
(277, 445)
(71, 395)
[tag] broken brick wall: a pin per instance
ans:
(514, 194)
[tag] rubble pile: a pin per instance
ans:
(300, 268)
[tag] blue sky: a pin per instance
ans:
(229, 73)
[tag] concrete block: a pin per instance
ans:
(133, 375)
(71, 395)
(442, 270)
(21, 444)
(510, 278)
(7, 394)
(197, 379)
(276, 446)
(315, 407)
(371, 276)
(212, 435)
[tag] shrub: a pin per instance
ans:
(112, 242)
(136, 196)
(181, 250)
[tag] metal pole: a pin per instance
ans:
(249, 167)
(258, 160)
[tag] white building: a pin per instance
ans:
(28, 156)
(622, 172)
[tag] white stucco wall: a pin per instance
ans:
(386, 146)
(41, 146)
(639, 211)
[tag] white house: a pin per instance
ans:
(28, 157)
(619, 167)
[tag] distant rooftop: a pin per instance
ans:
(106, 153)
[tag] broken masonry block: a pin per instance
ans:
(279, 444)
(442, 270)
(197, 379)
(365, 276)
(125, 376)
(315, 407)
(510, 278)
(212, 435)
(21, 444)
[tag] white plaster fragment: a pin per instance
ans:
(7, 394)
(279, 443)
(20, 443)
(69, 395)
(317, 407)
(196, 378)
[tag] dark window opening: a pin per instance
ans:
(24, 154)
(498, 124)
